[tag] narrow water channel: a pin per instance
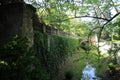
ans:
(89, 73)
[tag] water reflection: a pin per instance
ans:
(89, 73)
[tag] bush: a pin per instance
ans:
(19, 62)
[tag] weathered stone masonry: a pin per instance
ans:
(20, 18)
(16, 18)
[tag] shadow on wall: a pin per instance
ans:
(14, 21)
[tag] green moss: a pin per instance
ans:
(54, 50)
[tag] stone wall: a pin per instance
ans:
(16, 18)
(20, 18)
(11, 16)
(27, 26)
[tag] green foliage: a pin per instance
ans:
(111, 66)
(18, 61)
(78, 27)
(53, 50)
(59, 12)
(116, 33)
(16, 48)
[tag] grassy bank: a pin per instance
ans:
(76, 63)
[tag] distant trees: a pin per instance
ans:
(60, 12)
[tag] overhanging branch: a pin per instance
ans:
(106, 24)
(84, 17)
(92, 17)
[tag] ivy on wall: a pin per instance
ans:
(18, 61)
(53, 50)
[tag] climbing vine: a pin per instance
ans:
(53, 50)
(19, 62)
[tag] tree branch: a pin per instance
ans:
(106, 24)
(114, 6)
(92, 17)
(84, 17)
